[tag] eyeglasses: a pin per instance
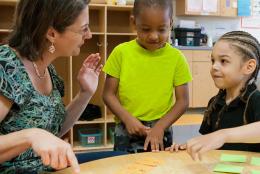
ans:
(82, 32)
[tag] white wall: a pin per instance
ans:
(216, 26)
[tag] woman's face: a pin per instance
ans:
(69, 42)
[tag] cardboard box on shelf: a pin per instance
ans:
(98, 1)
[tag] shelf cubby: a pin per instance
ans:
(96, 18)
(118, 20)
(6, 16)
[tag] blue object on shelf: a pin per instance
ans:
(244, 8)
(90, 137)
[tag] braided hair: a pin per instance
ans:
(249, 48)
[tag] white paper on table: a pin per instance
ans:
(194, 5)
(210, 6)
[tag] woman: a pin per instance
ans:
(32, 114)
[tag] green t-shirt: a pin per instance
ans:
(147, 79)
(30, 109)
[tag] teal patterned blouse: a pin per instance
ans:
(30, 109)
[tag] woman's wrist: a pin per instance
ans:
(31, 134)
(28, 135)
(85, 94)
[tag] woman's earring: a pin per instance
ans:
(52, 48)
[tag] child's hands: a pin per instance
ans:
(135, 127)
(176, 147)
(199, 145)
(155, 139)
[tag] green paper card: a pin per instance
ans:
(255, 161)
(233, 158)
(255, 172)
(228, 168)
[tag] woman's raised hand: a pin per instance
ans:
(89, 72)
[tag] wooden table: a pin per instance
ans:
(170, 163)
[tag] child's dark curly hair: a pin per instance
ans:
(164, 4)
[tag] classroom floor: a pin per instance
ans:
(187, 126)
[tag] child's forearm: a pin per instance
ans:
(173, 115)
(115, 106)
(180, 106)
(243, 134)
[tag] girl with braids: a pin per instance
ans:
(144, 73)
(226, 124)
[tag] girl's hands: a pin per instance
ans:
(53, 151)
(135, 127)
(176, 147)
(89, 72)
(199, 145)
(155, 139)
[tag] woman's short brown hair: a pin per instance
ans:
(34, 17)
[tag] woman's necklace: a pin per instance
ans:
(35, 67)
(38, 73)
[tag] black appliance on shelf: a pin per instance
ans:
(188, 36)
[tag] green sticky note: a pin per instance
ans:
(255, 172)
(255, 161)
(226, 168)
(233, 158)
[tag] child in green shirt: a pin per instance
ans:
(145, 73)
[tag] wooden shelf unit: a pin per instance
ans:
(110, 26)
(7, 9)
